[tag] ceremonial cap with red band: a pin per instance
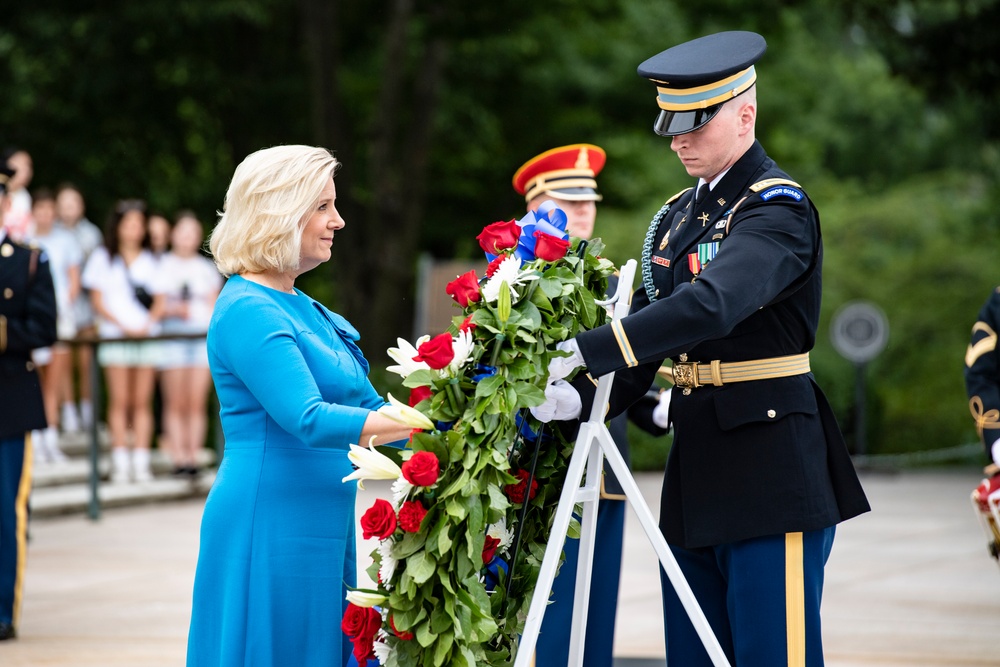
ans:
(567, 172)
(694, 79)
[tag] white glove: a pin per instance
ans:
(562, 402)
(995, 451)
(560, 367)
(661, 413)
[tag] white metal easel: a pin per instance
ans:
(593, 444)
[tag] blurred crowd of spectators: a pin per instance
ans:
(128, 286)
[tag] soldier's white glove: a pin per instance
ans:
(995, 451)
(560, 367)
(562, 402)
(661, 413)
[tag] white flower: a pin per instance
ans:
(462, 347)
(365, 599)
(403, 356)
(499, 531)
(400, 490)
(371, 464)
(508, 272)
(382, 651)
(388, 567)
(404, 414)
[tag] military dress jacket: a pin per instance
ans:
(27, 321)
(736, 277)
(982, 372)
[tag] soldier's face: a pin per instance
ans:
(717, 145)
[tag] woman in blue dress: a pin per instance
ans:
(277, 546)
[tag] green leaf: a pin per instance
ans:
(528, 395)
(530, 318)
(455, 486)
(489, 386)
(421, 378)
(443, 648)
(425, 637)
(410, 543)
(420, 566)
(550, 287)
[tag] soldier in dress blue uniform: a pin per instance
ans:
(27, 321)
(758, 475)
(567, 177)
(982, 376)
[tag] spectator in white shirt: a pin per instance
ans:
(190, 283)
(55, 362)
(70, 211)
(127, 301)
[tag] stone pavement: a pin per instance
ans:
(909, 584)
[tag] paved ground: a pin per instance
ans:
(908, 585)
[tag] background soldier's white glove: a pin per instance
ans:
(995, 451)
(562, 402)
(661, 413)
(560, 367)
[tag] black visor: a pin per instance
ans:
(672, 123)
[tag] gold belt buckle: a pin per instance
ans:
(686, 375)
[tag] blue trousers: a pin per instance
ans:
(15, 485)
(553, 641)
(761, 597)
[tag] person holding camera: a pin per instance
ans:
(128, 303)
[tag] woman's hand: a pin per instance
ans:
(384, 429)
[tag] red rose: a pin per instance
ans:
(373, 621)
(411, 514)
(436, 352)
(516, 491)
(355, 619)
(499, 236)
(364, 650)
(402, 634)
(418, 394)
(379, 521)
(422, 469)
(467, 325)
(550, 248)
(490, 549)
(491, 268)
(464, 289)
(361, 624)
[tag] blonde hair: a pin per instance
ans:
(269, 199)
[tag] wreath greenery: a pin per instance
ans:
(459, 552)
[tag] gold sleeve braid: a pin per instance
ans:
(982, 346)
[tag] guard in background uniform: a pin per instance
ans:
(982, 384)
(567, 177)
(27, 321)
(982, 376)
(758, 475)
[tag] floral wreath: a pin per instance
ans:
(459, 552)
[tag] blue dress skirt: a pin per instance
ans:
(277, 548)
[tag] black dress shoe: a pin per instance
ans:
(7, 631)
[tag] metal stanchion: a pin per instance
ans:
(94, 508)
